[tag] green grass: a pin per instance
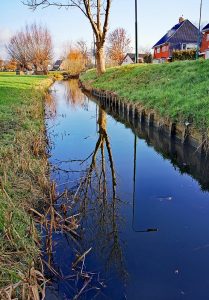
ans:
(23, 170)
(179, 90)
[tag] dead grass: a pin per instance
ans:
(23, 184)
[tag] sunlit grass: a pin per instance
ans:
(178, 90)
(23, 170)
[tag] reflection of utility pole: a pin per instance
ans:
(134, 180)
(136, 32)
(199, 33)
(134, 192)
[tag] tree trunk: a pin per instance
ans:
(100, 57)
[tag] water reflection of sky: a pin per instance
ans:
(171, 263)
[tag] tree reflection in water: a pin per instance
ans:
(97, 201)
(74, 95)
(51, 106)
(92, 191)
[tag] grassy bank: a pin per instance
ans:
(179, 90)
(23, 172)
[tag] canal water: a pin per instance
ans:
(142, 200)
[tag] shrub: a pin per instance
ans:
(148, 58)
(184, 55)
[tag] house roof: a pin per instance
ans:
(189, 34)
(58, 62)
(132, 55)
(168, 35)
(206, 28)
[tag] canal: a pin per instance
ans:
(142, 201)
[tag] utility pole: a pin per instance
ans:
(136, 32)
(199, 33)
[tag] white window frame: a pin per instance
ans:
(184, 46)
(158, 50)
(207, 37)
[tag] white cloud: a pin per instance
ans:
(5, 35)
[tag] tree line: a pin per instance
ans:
(31, 47)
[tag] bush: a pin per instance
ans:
(184, 55)
(148, 58)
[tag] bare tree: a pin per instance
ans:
(39, 46)
(31, 47)
(96, 11)
(83, 48)
(118, 45)
(17, 49)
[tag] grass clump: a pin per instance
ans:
(178, 90)
(23, 172)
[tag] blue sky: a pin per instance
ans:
(155, 18)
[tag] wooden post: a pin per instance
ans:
(118, 106)
(127, 114)
(172, 129)
(123, 110)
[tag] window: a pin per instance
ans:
(164, 49)
(158, 50)
(207, 37)
(184, 46)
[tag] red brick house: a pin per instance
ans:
(205, 42)
(182, 36)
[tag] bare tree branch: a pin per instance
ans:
(118, 44)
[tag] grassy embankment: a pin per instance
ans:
(179, 90)
(23, 171)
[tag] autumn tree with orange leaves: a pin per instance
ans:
(1, 64)
(75, 60)
(118, 45)
(10, 65)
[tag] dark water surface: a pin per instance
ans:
(143, 199)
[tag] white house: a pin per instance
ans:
(130, 59)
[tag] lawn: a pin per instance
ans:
(178, 90)
(23, 171)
